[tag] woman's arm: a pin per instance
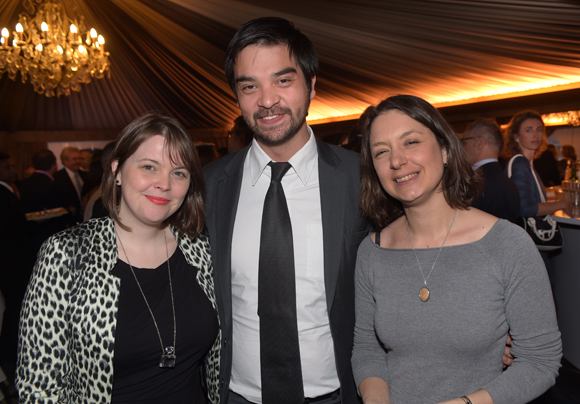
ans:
(526, 185)
(531, 317)
(528, 191)
(369, 358)
(547, 208)
(374, 391)
(42, 357)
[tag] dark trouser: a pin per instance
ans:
(332, 398)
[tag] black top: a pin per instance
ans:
(137, 375)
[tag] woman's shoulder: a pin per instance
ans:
(197, 251)
(519, 161)
(101, 227)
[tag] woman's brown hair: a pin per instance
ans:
(460, 184)
(511, 146)
(189, 219)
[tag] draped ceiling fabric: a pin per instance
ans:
(167, 55)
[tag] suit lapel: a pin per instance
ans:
(332, 200)
(227, 196)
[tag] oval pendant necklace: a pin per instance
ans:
(424, 292)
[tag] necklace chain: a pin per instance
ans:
(434, 262)
(170, 350)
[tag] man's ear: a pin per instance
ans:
(312, 89)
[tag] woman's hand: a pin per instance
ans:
(374, 390)
(508, 358)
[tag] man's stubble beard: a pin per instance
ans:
(278, 139)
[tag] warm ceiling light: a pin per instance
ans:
(64, 64)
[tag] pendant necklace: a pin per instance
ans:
(424, 292)
(168, 357)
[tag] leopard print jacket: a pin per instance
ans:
(69, 313)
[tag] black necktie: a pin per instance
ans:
(279, 348)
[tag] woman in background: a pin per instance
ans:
(122, 309)
(525, 137)
(439, 286)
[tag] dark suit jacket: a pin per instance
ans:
(39, 192)
(500, 196)
(69, 196)
(343, 230)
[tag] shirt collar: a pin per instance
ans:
(70, 173)
(7, 186)
(45, 173)
(482, 162)
(302, 162)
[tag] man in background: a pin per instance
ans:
(16, 261)
(71, 183)
(40, 192)
(483, 141)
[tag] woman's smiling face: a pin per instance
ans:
(407, 158)
(153, 186)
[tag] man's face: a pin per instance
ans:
(86, 158)
(72, 161)
(470, 141)
(272, 93)
(7, 170)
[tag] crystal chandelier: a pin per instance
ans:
(57, 53)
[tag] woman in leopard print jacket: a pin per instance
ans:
(122, 309)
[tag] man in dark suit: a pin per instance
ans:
(272, 67)
(482, 141)
(72, 184)
(16, 260)
(40, 192)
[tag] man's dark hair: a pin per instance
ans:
(273, 31)
(489, 130)
(4, 156)
(43, 160)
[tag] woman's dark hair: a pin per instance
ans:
(460, 184)
(272, 31)
(189, 219)
(569, 152)
(511, 146)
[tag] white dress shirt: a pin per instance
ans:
(8, 187)
(71, 175)
(302, 191)
(482, 162)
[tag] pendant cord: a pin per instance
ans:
(167, 350)
(440, 249)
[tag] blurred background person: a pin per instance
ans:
(86, 156)
(524, 138)
(239, 136)
(546, 165)
(133, 316)
(72, 183)
(40, 192)
(353, 140)
(94, 205)
(483, 141)
(16, 261)
(569, 156)
(207, 153)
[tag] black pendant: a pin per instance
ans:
(167, 360)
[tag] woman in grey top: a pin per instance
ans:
(440, 286)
